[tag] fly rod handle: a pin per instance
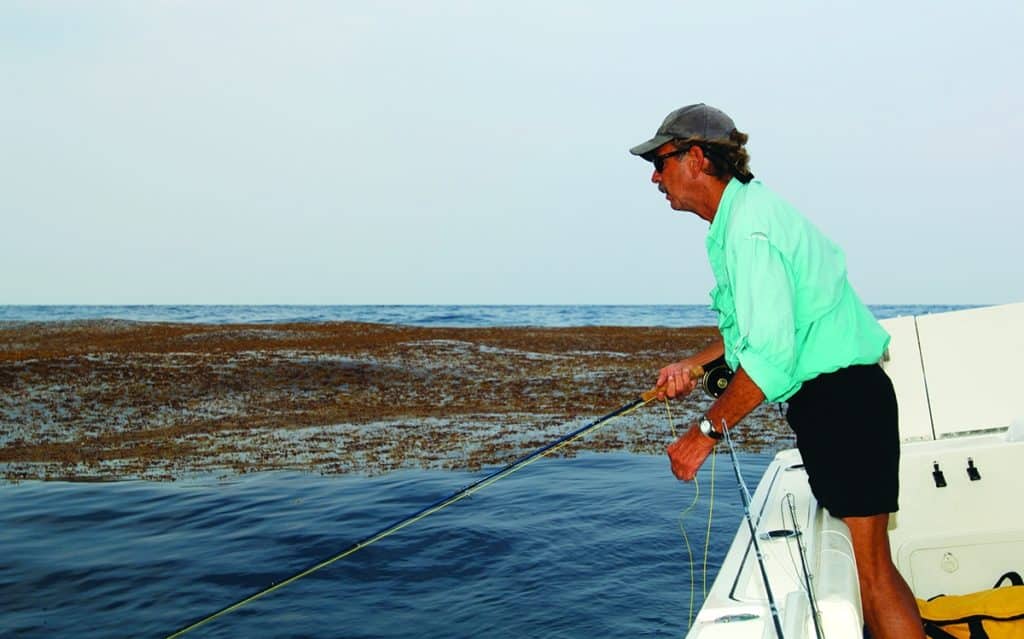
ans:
(696, 372)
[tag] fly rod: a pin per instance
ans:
(745, 496)
(643, 399)
(791, 502)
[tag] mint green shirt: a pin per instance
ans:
(785, 308)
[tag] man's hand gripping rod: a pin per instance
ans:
(696, 372)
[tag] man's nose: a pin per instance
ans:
(656, 176)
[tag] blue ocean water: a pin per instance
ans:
(437, 315)
(580, 547)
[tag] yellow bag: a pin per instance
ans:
(989, 614)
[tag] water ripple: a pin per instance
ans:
(567, 548)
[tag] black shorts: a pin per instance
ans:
(847, 430)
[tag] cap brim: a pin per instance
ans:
(647, 149)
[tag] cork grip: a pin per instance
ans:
(696, 372)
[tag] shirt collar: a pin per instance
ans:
(716, 232)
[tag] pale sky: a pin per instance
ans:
(426, 151)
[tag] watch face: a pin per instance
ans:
(708, 429)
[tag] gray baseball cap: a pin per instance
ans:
(694, 121)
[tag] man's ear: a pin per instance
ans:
(696, 161)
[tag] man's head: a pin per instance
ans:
(695, 152)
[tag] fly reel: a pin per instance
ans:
(716, 377)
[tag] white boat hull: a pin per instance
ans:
(955, 538)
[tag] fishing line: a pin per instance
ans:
(682, 526)
(519, 464)
(682, 516)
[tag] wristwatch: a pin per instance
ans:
(708, 428)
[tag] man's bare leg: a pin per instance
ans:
(890, 610)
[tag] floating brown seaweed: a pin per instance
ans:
(105, 400)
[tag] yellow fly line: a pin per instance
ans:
(519, 464)
(682, 527)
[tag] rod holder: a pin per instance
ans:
(972, 471)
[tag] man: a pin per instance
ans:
(794, 331)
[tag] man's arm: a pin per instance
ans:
(689, 451)
(741, 396)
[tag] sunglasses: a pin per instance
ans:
(659, 160)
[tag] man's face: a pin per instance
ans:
(674, 179)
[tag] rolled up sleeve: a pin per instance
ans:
(764, 299)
